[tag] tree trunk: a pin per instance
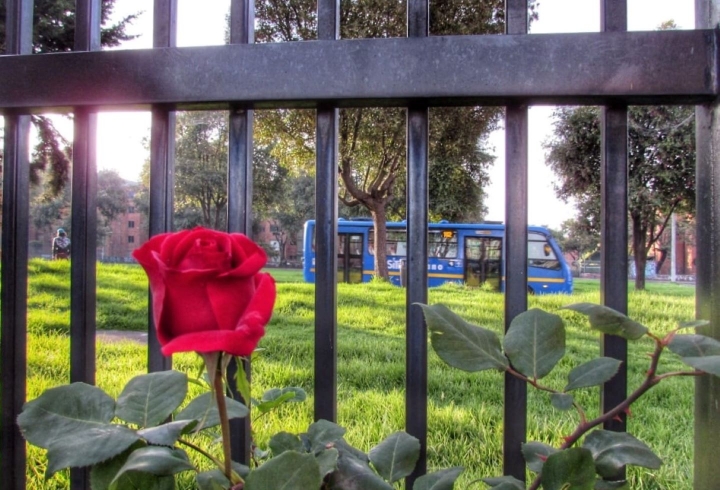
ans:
(661, 261)
(639, 254)
(379, 221)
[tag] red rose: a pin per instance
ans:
(208, 292)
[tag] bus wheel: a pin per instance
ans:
(531, 291)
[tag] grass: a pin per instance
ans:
(464, 409)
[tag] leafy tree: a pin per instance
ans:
(53, 32)
(201, 168)
(578, 238)
(293, 210)
(661, 159)
(372, 140)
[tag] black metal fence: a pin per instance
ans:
(613, 68)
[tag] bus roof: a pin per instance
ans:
(488, 225)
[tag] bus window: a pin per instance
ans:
(395, 244)
(540, 253)
(443, 244)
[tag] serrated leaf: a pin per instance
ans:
(204, 410)
(535, 454)
(156, 460)
(535, 342)
(504, 483)
(439, 480)
(698, 351)
(570, 469)
(610, 321)
(561, 401)
(461, 344)
(149, 399)
(613, 450)
(612, 485)
(212, 480)
(73, 423)
(327, 460)
(593, 373)
(354, 473)
(166, 434)
(289, 471)
(322, 433)
(395, 457)
(284, 441)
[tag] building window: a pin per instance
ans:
(130, 210)
(131, 239)
(274, 228)
(131, 224)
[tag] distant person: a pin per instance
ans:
(61, 245)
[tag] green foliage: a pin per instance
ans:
(534, 344)
(661, 160)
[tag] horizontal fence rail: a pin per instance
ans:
(636, 67)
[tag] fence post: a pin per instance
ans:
(707, 388)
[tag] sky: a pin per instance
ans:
(201, 22)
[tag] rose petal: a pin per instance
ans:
(253, 256)
(229, 297)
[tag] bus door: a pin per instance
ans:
(483, 261)
(350, 257)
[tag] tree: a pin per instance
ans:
(372, 140)
(112, 201)
(53, 32)
(578, 237)
(291, 212)
(201, 168)
(661, 159)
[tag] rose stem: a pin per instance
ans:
(224, 422)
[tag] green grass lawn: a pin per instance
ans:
(465, 409)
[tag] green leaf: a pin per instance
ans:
(535, 342)
(149, 399)
(439, 480)
(460, 344)
(535, 454)
(504, 483)
(156, 460)
(166, 434)
(698, 351)
(289, 471)
(274, 398)
(612, 485)
(593, 373)
(241, 381)
(610, 321)
(273, 394)
(613, 450)
(322, 433)
(327, 460)
(693, 324)
(212, 480)
(561, 401)
(395, 457)
(102, 474)
(204, 410)
(570, 469)
(354, 473)
(73, 423)
(284, 441)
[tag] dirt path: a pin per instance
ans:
(120, 335)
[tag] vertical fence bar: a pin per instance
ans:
(326, 214)
(15, 218)
(707, 388)
(240, 193)
(516, 238)
(614, 216)
(416, 373)
(162, 164)
(84, 224)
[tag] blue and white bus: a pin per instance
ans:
(463, 253)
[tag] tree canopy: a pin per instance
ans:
(372, 157)
(661, 160)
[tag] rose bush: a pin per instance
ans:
(208, 292)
